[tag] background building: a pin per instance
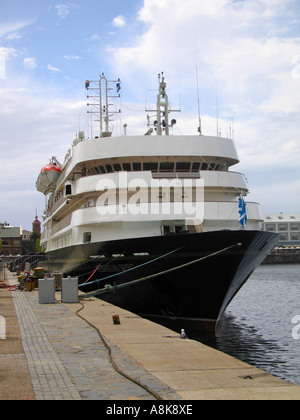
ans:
(18, 241)
(286, 225)
(36, 226)
(11, 239)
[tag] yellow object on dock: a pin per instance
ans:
(29, 284)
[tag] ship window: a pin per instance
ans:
(117, 167)
(270, 227)
(137, 166)
(292, 217)
(283, 227)
(212, 166)
(109, 168)
(68, 189)
(183, 166)
(150, 166)
(96, 170)
(166, 229)
(126, 167)
(102, 169)
(87, 237)
(295, 227)
(196, 167)
(295, 236)
(178, 228)
(167, 166)
(283, 237)
(204, 166)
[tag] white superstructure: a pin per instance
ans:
(108, 185)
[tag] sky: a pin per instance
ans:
(244, 55)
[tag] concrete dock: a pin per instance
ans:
(75, 352)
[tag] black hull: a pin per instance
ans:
(191, 278)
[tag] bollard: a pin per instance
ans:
(116, 319)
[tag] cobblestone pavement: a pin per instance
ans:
(67, 359)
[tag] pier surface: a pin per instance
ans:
(75, 352)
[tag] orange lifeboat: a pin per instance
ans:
(48, 177)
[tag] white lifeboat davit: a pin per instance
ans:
(48, 177)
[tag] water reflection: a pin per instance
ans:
(245, 343)
(256, 328)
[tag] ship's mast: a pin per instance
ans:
(102, 92)
(161, 123)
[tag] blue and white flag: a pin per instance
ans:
(242, 211)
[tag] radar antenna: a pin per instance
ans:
(102, 92)
(161, 123)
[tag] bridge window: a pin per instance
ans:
(150, 166)
(109, 168)
(183, 166)
(137, 166)
(117, 167)
(195, 166)
(126, 167)
(167, 166)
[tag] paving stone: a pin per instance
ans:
(66, 357)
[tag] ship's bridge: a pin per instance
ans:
(154, 153)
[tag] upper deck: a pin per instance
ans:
(114, 154)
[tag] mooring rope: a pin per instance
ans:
(130, 283)
(132, 268)
(113, 363)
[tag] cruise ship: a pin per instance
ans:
(157, 224)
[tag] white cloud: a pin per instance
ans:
(5, 55)
(243, 55)
(10, 28)
(119, 21)
(72, 57)
(95, 37)
(54, 69)
(29, 63)
(8, 52)
(248, 55)
(13, 36)
(34, 128)
(63, 10)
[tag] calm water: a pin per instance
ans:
(257, 326)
